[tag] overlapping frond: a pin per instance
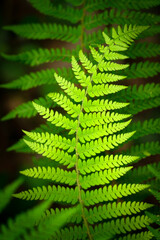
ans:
(6, 193)
(141, 173)
(23, 222)
(37, 79)
(146, 235)
(39, 56)
(68, 13)
(27, 110)
(142, 70)
(118, 16)
(103, 4)
(144, 50)
(144, 149)
(151, 126)
(46, 31)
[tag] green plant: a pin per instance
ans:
(84, 172)
(95, 114)
(23, 225)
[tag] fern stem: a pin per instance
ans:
(78, 174)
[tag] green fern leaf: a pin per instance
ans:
(100, 131)
(101, 163)
(144, 150)
(144, 50)
(143, 70)
(27, 110)
(6, 193)
(57, 175)
(37, 79)
(111, 193)
(57, 194)
(23, 222)
(52, 153)
(56, 118)
(147, 127)
(93, 119)
(41, 55)
(70, 14)
(114, 210)
(46, 31)
(139, 236)
(102, 177)
(134, 4)
(50, 226)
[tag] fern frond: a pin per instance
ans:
(142, 92)
(114, 210)
(144, 150)
(154, 171)
(147, 235)
(123, 37)
(48, 228)
(156, 194)
(111, 193)
(141, 174)
(57, 194)
(111, 210)
(142, 105)
(97, 146)
(117, 16)
(52, 153)
(155, 232)
(20, 146)
(91, 180)
(52, 140)
(102, 163)
(152, 31)
(108, 55)
(66, 104)
(23, 222)
(142, 70)
(79, 74)
(102, 177)
(46, 31)
(56, 118)
(38, 78)
(6, 193)
(134, 4)
(107, 230)
(144, 50)
(93, 119)
(70, 14)
(127, 225)
(102, 105)
(106, 77)
(27, 110)
(151, 126)
(75, 93)
(50, 173)
(42, 55)
(100, 131)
